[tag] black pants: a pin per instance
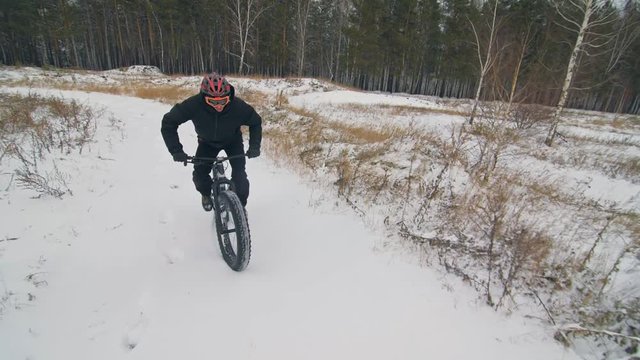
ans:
(201, 172)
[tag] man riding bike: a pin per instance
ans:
(217, 115)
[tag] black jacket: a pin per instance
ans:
(215, 128)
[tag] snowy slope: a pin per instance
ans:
(128, 267)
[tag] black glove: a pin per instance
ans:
(180, 156)
(253, 152)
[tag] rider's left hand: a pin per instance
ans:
(253, 152)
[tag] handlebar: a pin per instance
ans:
(201, 160)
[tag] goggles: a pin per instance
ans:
(217, 102)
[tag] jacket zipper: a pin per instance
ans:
(215, 129)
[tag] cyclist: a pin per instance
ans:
(217, 115)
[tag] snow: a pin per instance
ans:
(128, 267)
(136, 69)
(362, 98)
(368, 109)
(282, 86)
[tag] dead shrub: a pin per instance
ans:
(281, 100)
(48, 123)
(627, 167)
(367, 180)
(491, 139)
(32, 127)
(311, 156)
(525, 252)
(493, 215)
(526, 116)
(345, 174)
(442, 155)
(53, 183)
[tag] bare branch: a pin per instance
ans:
(475, 34)
(575, 328)
(567, 19)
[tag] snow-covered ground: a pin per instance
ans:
(128, 266)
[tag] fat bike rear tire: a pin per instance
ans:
(232, 228)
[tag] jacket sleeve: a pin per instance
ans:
(254, 121)
(179, 114)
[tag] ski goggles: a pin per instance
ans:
(217, 102)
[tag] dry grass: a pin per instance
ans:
(164, 93)
(413, 111)
(399, 110)
(347, 133)
(32, 128)
(619, 123)
(615, 160)
(622, 122)
(354, 134)
(48, 122)
(168, 94)
(255, 98)
(615, 139)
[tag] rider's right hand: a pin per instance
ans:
(180, 156)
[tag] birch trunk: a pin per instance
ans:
(106, 39)
(244, 19)
(571, 69)
(488, 61)
(303, 15)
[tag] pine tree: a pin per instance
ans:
(365, 54)
(458, 69)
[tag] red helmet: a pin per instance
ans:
(215, 84)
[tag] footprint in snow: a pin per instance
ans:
(134, 335)
(173, 255)
(168, 246)
(165, 217)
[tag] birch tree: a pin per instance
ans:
(302, 17)
(155, 17)
(590, 14)
(524, 30)
(487, 62)
(244, 14)
(526, 40)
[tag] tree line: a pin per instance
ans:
(516, 50)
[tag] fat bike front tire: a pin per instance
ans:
(232, 228)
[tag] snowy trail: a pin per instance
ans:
(133, 271)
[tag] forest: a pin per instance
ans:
(523, 51)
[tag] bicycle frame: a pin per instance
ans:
(220, 181)
(230, 217)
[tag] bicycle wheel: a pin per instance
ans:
(234, 237)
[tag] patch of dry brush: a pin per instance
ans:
(511, 234)
(32, 128)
